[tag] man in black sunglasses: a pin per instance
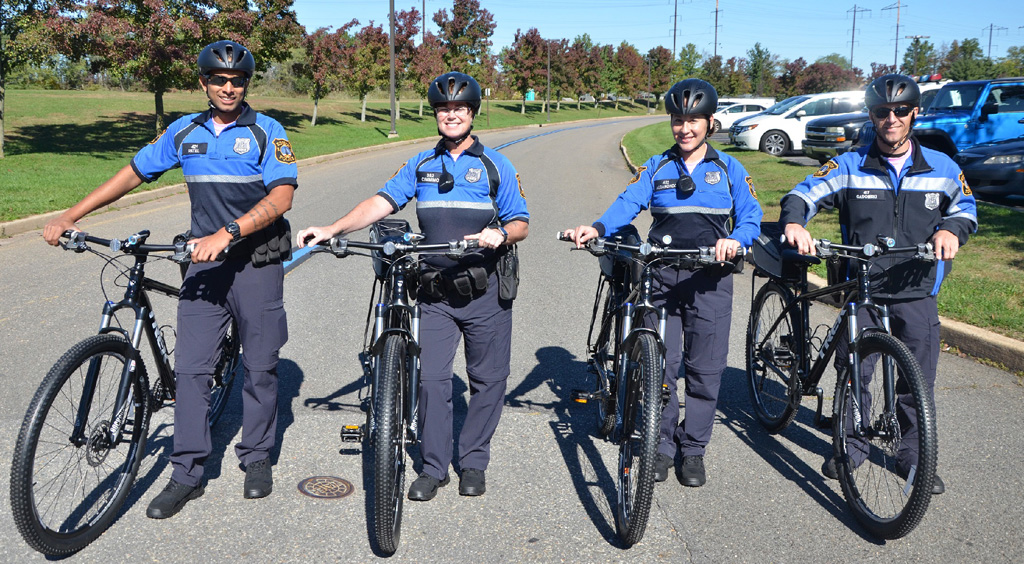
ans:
(241, 175)
(894, 188)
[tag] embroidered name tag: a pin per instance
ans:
(665, 184)
(428, 177)
(193, 149)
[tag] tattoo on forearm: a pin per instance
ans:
(263, 214)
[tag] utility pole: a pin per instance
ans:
(675, 22)
(548, 103)
(990, 28)
(853, 34)
(896, 56)
(391, 48)
(424, 18)
(716, 28)
(917, 41)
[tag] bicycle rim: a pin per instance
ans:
(873, 479)
(638, 449)
(65, 494)
(224, 376)
(772, 361)
(604, 358)
(389, 444)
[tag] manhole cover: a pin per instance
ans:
(325, 487)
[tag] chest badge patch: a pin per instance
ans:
(713, 177)
(931, 200)
(473, 174)
(242, 145)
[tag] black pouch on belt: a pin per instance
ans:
(431, 284)
(508, 274)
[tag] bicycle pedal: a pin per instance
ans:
(352, 434)
(582, 396)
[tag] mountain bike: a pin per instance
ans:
(786, 361)
(84, 434)
(627, 359)
(391, 362)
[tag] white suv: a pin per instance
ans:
(725, 116)
(780, 129)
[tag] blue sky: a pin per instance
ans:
(789, 29)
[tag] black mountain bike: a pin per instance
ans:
(627, 360)
(786, 361)
(391, 362)
(84, 434)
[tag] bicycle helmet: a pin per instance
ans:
(691, 96)
(455, 87)
(890, 89)
(226, 55)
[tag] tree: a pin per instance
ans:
(966, 61)
(427, 64)
(465, 35)
(607, 70)
(322, 67)
(691, 63)
(406, 27)
(837, 60)
(558, 49)
(632, 71)
(365, 60)
(584, 64)
(827, 77)
(663, 69)
(880, 70)
(736, 79)
(1013, 63)
(919, 56)
(524, 62)
(791, 74)
(713, 71)
(761, 70)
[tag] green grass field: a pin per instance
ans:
(986, 287)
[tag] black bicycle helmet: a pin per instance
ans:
(691, 96)
(890, 89)
(226, 55)
(455, 87)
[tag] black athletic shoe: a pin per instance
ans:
(472, 482)
(258, 479)
(172, 499)
(425, 487)
(662, 464)
(693, 474)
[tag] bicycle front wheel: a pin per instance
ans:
(389, 443)
(772, 361)
(224, 375)
(69, 478)
(888, 498)
(604, 357)
(638, 447)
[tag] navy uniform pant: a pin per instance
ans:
(485, 323)
(699, 308)
(211, 296)
(916, 323)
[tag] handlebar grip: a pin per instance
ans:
(561, 236)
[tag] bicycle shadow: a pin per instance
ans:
(736, 414)
(573, 431)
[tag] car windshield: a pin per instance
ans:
(959, 97)
(785, 105)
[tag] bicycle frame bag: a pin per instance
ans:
(767, 255)
(383, 231)
(618, 268)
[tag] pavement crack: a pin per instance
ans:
(676, 530)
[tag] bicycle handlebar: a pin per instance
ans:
(135, 245)
(886, 246)
(339, 246)
(702, 256)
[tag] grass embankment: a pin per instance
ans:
(986, 287)
(60, 145)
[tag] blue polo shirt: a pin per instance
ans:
(227, 174)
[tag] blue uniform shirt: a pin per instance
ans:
(448, 213)
(227, 175)
(723, 191)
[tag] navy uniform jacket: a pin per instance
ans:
(724, 191)
(450, 211)
(226, 175)
(929, 194)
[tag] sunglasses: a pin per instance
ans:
(882, 112)
(461, 111)
(220, 80)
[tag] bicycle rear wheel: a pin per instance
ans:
(225, 372)
(389, 443)
(887, 499)
(772, 361)
(66, 489)
(638, 447)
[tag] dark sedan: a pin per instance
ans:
(994, 169)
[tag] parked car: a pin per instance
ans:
(994, 169)
(728, 115)
(730, 100)
(587, 98)
(781, 128)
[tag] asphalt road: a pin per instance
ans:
(550, 486)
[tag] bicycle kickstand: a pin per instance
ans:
(819, 421)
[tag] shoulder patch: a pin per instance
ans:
(963, 183)
(397, 171)
(826, 168)
(639, 171)
(750, 185)
(158, 136)
(283, 151)
(520, 184)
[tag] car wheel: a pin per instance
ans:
(716, 127)
(775, 143)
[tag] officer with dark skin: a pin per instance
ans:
(463, 190)
(241, 175)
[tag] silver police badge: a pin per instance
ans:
(473, 174)
(931, 200)
(713, 177)
(242, 145)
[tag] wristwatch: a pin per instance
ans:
(503, 232)
(233, 230)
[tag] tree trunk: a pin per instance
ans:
(578, 104)
(523, 109)
(558, 105)
(398, 109)
(316, 103)
(159, 96)
(2, 94)
(362, 116)
(421, 107)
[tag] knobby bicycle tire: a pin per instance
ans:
(225, 372)
(64, 495)
(604, 355)
(638, 450)
(772, 361)
(875, 486)
(389, 444)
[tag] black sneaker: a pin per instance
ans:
(662, 464)
(472, 482)
(425, 487)
(172, 499)
(258, 479)
(693, 474)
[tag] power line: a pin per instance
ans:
(896, 6)
(990, 28)
(853, 34)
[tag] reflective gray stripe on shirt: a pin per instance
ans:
(691, 209)
(224, 179)
(450, 204)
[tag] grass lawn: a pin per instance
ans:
(59, 145)
(986, 287)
